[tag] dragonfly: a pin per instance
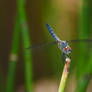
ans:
(62, 44)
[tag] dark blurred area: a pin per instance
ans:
(47, 61)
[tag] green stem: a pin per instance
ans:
(83, 33)
(26, 44)
(64, 76)
(82, 84)
(13, 59)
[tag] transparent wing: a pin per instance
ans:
(81, 40)
(42, 45)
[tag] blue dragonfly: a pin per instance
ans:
(62, 45)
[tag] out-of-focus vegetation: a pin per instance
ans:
(13, 58)
(23, 24)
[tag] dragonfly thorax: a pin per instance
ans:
(63, 45)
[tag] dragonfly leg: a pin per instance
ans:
(68, 56)
(63, 56)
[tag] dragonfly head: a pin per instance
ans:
(62, 44)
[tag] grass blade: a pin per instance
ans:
(13, 59)
(64, 75)
(26, 44)
(84, 33)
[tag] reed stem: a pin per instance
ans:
(64, 75)
(26, 44)
(13, 59)
(83, 84)
(83, 33)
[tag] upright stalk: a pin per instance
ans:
(26, 44)
(13, 59)
(83, 33)
(83, 84)
(64, 75)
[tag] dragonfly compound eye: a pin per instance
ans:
(64, 44)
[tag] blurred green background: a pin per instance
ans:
(23, 24)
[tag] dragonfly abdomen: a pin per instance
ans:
(52, 33)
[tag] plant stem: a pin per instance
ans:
(26, 44)
(13, 59)
(64, 75)
(83, 84)
(83, 33)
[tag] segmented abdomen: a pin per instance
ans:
(52, 33)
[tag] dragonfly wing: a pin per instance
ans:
(81, 40)
(42, 45)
